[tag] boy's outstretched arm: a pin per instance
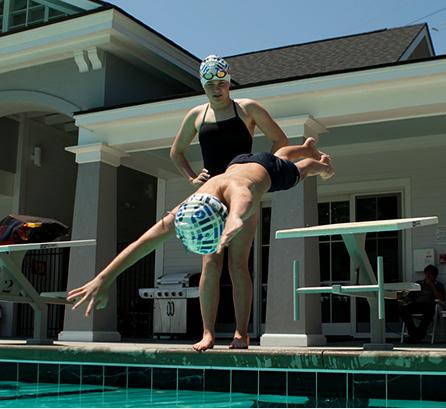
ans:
(95, 291)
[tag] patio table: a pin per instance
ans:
(15, 287)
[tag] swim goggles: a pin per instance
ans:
(218, 75)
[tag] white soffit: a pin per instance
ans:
(382, 94)
(108, 30)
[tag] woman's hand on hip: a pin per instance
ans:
(202, 178)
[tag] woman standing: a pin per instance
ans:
(225, 128)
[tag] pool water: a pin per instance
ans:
(22, 394)
(85, 385)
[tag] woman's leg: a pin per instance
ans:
(239, 250)
(209, 297)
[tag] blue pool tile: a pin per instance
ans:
(433, 387)
(70, 374)
(49, 373)
(245, 381)
(332, 389)
(27, 372)
(115, 376)
(404, 387)
(139, 377)
(8, 371)
(366, 387)
(164, 378)
(216, 380)
(302, 384)
(273, 383)
(191, 379)
(92, 375)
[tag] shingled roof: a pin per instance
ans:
(337, 54)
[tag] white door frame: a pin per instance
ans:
(339, 191)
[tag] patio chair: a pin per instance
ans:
(439, 313)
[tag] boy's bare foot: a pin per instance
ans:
(329, 172)
(313, 152)
(206, 343)
(239, 343)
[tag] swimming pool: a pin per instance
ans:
(50, 384)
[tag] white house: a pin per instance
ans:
(86, 78)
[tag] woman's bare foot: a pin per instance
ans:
(313, 152)
(329, 172)
(207, 342)
(239, 343)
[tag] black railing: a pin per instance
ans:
(135, 315)
(47, 270)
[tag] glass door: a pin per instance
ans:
(343, 315)
(385, 244)
(335, 269)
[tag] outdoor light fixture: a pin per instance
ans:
(36, 156)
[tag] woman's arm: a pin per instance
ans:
(266, 124)
(182, 141)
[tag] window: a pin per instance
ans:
(23, 13)
(334, 262)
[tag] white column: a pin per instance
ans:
(296, 207)
(95, 217)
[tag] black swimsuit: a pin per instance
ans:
(283, 173)
(222, 141)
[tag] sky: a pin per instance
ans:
(231, 27)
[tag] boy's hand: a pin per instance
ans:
(232, 228)
(94, 292)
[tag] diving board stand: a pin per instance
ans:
(16, 288)
(369, 285)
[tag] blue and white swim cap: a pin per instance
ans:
(213, 68)
(199, 223)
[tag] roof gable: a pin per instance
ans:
(338, 54)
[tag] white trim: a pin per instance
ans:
(89, 336)
(379, 146)
(160, 212)
(14, 101)
(93, 56)
(292, 340)
(97, 152)
(80, 60)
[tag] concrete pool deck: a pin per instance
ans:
(425, 358)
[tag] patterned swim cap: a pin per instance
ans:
(199, 223)
(214, 68)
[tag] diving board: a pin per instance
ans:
(370, 285)
(15, 287)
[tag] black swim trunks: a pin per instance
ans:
(283, 173)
